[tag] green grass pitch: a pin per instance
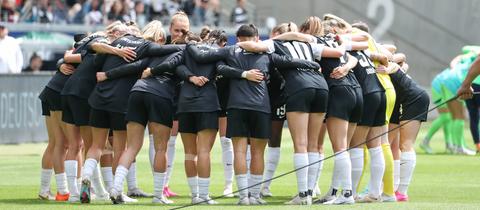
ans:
(440, 181)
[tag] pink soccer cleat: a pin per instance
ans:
(401, 197)
(168, 193)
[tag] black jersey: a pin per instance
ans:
(365, 73)
(58, 80)
(110, 95)
(83, 80)
(329, 64)
(245, 94)
(193, 98)
(298, 79)
(406, 89)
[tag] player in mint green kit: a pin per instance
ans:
(444, 118)
(449, 85)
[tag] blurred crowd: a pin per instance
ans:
(97, 12)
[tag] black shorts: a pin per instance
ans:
(76, 110)
(308, 100)
(145, 107)
(52, 98)
(374, 109)
(194, 122)
(105, 119)
(416, 109)
(248, 123)
(45, 109)
(346, 103)
(279, 113)
(395, 118)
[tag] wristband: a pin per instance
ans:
(244, 74)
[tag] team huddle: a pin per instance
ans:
(324, 76)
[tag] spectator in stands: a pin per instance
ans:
(119, 11)
(200, 12)
(94, 15)
(35, 64)
(188, 6)
(239, 14)
(11, 60)
(140, 18)
(7, 12)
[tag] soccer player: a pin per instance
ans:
(414, 102)
(75, 103)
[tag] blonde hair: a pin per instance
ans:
(313, 25)
(179, 16)
(285, 27)
(341, 23)
(153, 31)
(114, 27)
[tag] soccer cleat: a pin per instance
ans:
(60, 197)
(137, 192)
(227, 191)
(425, 147)
(401, 197)
(257, 201)
(101, 197)
(369, 199)
(85, 191)
(73, 198)
(203, 201)
(243, 201)
(324, 199)
(300, 199)
(117, 199)
(466, 151)
(341, 200)
(450, 149)
(265, 192)
(168, 193)
(47, 196)
(161, 200)
(388, 198)
(128, 199)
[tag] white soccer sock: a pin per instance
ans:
(158, 184)
(336, 179)
(132, 177)
(249, 159)
(273, 157)
(253, 180)
(151, 150)
(71, 169)
(396, 174)
(203, 185)
(170, 158)
(107, 175)
(120, 175)
(313, 157)
(45, 178)
(88, 168)
(227, 158)
(97, 182)
(377, 168)
(79, 183)
(61, 180)
(345, 170)
(407, 165)
(300, 160)
(242, 183)
(356, 158)
(193, 184)
(320, 168)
